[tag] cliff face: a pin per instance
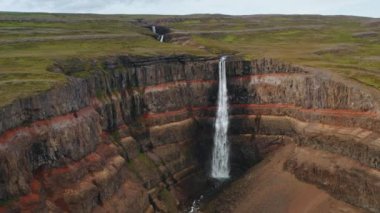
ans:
(136, 133)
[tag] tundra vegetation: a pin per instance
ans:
(31, 42)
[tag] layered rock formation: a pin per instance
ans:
(135, 134)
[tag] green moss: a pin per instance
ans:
(370, 80)
(82, 74)
(5, 202)
(115, 136)
(19, 88)
(229, 38)
(142, 166)
(147, 162)
(169, 200)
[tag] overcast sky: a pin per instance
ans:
(234, 7)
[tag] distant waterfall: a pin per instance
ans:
(154, 29)
(220, 155)
(159, 37)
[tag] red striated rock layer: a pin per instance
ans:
(345, 179)
(133, 136)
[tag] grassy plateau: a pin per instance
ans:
(30, 42)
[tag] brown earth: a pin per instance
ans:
(267, 187)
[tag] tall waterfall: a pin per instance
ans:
(161, 38)
(220, 155)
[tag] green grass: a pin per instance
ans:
(300, 45)
(169, 200)
(368, 79)
(142, 166)
(24, 63)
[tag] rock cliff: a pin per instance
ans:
(135, 133)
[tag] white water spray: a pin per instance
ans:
(162, 38)
(220, 155)
(196, 206)
(154, 29)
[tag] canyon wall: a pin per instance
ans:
(136, 133)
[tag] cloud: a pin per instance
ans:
(234, 7)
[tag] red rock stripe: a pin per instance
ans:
(32, 128)
(243, 77)
(334, 112)
(169, 113)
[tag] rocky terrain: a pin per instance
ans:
(134, 133)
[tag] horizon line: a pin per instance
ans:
(190, 14)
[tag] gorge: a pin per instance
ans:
(136, 133)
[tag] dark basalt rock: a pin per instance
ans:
(134, 128)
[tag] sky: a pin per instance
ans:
(370, 8)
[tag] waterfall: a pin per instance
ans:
(196, 205)
(160, 37)
(220, 155)
(154, 29)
